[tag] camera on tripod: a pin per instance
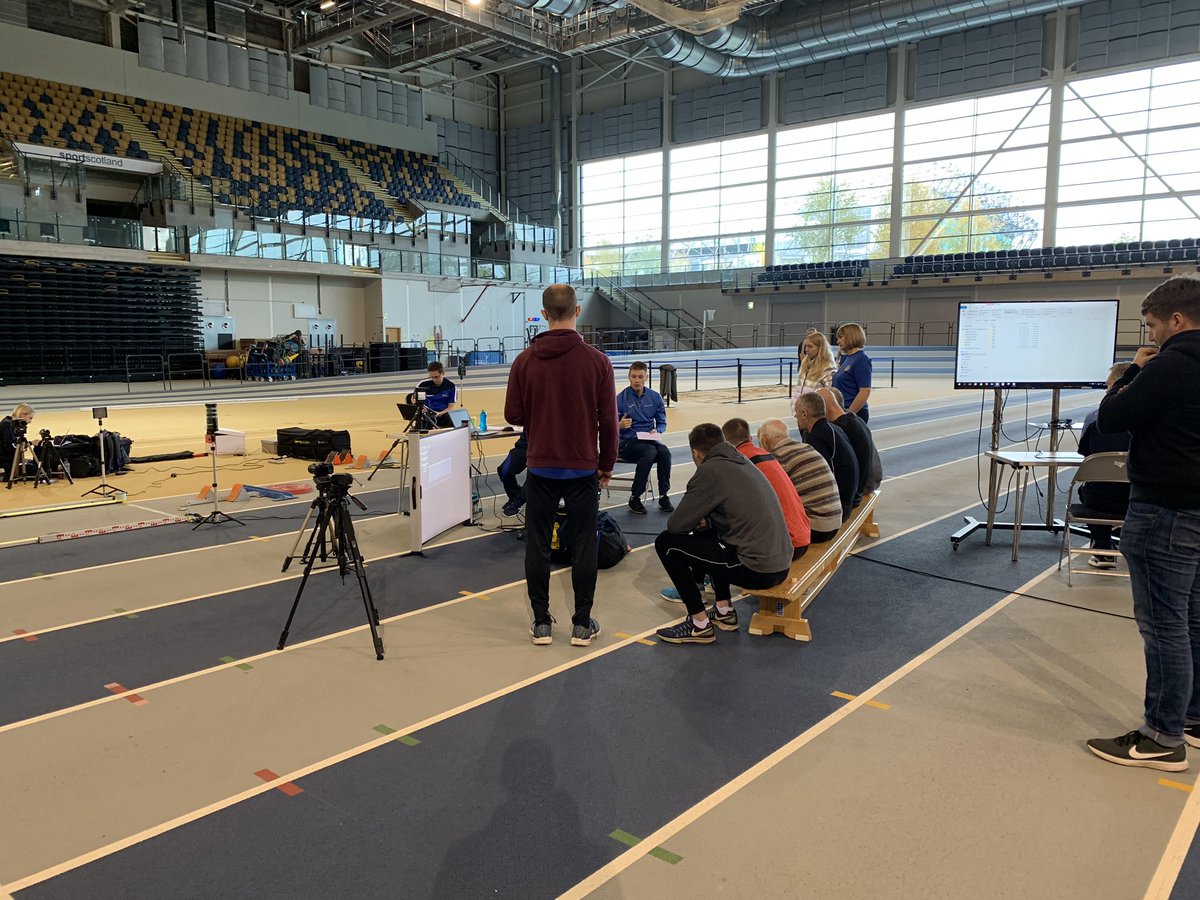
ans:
(325, 479)
(19, 428)
(45, 435)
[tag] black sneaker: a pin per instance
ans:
(582, 635)
(542, 632)
(665, 504)
(635, 506)
(1135, 749)
(686, 632)
(725, 621)
(1191, 735)
(510, 509)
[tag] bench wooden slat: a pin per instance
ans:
(781, 608)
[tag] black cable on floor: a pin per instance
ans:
(989, 587)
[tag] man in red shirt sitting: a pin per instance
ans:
(737, 432)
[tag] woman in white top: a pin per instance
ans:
(817, 367)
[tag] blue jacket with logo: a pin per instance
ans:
(647, 411)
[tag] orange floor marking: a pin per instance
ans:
(287, 787)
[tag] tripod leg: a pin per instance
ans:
(17, 460)
(351, 544)
(322, 520)
(300, 536)
(385, 458)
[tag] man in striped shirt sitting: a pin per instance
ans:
(810, 474)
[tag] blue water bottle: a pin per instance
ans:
(483, 420)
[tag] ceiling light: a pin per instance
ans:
(475, 2)
(328, 4)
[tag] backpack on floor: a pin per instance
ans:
(611, 546)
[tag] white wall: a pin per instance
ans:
(53, 58)
(261, 303)
(420, 306)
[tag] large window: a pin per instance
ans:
(1130, 165)
(622, 214)
(833, 196)
(718, 204)
(975, 174)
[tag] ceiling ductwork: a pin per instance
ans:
(799, 35)
(568, 9)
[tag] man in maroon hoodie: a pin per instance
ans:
(563, 392)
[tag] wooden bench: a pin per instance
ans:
(781, 608)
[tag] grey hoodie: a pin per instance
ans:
(741, 505)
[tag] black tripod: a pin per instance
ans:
(333, 531)
(46, 460)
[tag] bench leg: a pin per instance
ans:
(869, 528)
(782, 616)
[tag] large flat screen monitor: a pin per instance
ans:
(1035, 344)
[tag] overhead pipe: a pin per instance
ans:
(853, 35)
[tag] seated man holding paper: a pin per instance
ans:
(643, 422)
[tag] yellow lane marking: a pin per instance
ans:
(625, 636)
(1178, 785)
(874, 703)
(477, 595)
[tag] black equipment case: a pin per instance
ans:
(311, 443)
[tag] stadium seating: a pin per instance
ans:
(1045, 259)
(268, 169)
(835, 270)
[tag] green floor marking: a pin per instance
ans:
(383, 729)
(408, 740)
(245, 667)
(629, 840)
(128, 615)
(665, 855)
(228, 659)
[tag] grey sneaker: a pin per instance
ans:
(542, 632)
(1135, 749)
(725, 621)
(582, 635)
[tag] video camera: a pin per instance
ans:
(19, 428)
(327, 482)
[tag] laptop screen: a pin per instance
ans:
(461, 418)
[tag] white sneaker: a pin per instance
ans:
(1102, 562)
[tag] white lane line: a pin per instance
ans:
(309, 769)
(664, 834)
(1169, 866)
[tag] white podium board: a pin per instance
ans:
(439, 482)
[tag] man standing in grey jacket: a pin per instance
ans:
(729, 526)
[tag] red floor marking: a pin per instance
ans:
(287, 787)
(135, 699)
(25, 635)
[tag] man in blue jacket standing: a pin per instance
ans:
(642, 411)
(1157, 401)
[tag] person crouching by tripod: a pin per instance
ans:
(13, 429)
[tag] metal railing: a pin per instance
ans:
(524, 228)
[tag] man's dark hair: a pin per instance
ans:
(704, 437)
(436, 366)
(1180, 294)
(637, 366)
(736, 431)
(559, 302)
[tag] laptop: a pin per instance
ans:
(460, 418)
